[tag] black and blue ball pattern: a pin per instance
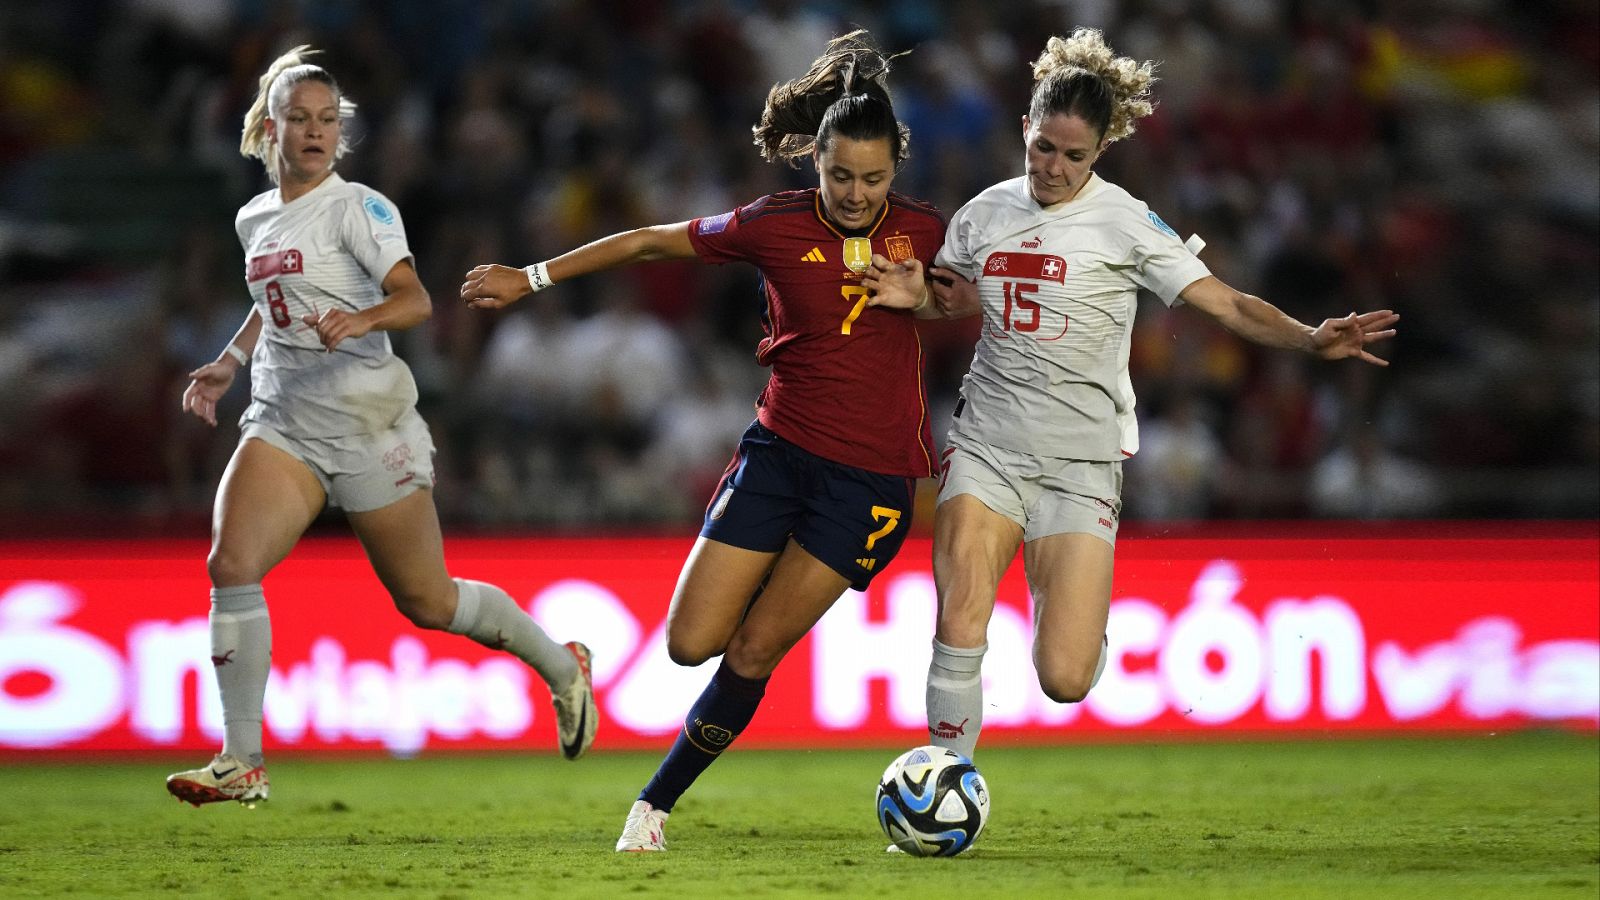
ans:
(932, 802)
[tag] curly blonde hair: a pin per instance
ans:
(280, 78)
(1081, 75)
(845, 92)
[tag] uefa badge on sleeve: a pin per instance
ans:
(857, 254)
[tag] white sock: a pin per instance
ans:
(489, 616)
(241, 657)
(955, 697)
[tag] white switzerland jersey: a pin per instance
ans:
(328, 249)
(1059, 288)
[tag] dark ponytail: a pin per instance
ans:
(845, 93)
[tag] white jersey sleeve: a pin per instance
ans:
(1059, 288)
(373, 233)
(1163, 264)
(956, 254)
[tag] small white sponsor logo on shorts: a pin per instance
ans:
(722, 504)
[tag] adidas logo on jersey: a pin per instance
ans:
(867, 562)
(814, 256)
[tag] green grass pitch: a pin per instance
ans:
(1513, 815)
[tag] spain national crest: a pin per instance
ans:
(899, 247)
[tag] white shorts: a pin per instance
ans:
(1043, 494)
(365, 471)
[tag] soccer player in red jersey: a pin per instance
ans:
(818, 496)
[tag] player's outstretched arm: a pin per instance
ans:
(497, 286)
(1256, 320)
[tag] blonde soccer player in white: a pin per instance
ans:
(332, 420)
(1046, 416)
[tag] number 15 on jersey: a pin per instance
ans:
(1019, 314)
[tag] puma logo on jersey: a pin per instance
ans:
(814, 256)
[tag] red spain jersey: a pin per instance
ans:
(846, 380)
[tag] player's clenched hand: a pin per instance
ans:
(953, 294)
(1349, 336)
(494, 287)
(896, 285)
(335, 325)
(209, 383)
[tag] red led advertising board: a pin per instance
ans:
(1306, 630)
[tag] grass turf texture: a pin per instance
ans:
(1503, 816)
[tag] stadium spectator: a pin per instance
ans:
(1363, 479)
(1176, 469)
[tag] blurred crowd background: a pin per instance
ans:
(1437, 157)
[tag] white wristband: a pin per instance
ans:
(538, 277)
(239, 356)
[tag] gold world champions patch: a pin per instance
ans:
(857, 254)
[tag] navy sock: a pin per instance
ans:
(724, 709)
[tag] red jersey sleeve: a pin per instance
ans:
(720, 239)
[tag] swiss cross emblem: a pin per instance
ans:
(291, 261)
(1052, 267)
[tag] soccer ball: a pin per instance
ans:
(932, 802)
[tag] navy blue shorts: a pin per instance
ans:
(851, 519)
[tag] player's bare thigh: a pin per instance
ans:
(799, 591)
(265, 502)
(405, 545)
(972, 547)
(713, 592)
(1070, 577)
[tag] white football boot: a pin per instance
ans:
(227, 778)
(645, 830)
(576, 715)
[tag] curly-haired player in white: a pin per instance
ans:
(1046, 415)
